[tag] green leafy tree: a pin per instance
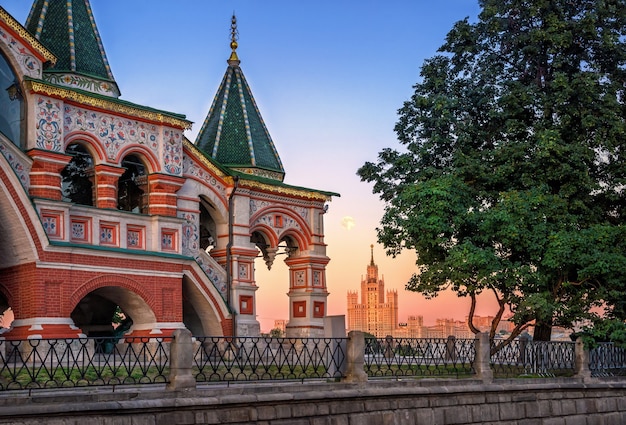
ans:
(512, 175)
(276, 333)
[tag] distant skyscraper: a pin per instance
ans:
(374, 314)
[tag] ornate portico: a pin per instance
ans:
(120, 210)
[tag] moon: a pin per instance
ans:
(347, 222)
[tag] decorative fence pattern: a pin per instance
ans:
(395, 357)
(607, 360)
(526, 358)
(54, 363)
(266, 358)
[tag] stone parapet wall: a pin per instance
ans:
(412, 402)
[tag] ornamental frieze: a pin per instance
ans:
(173, 151)
(279, 226)
(81, 82)
(113, 132)
(49, 131)
(258, 205)
(18, 166)
(28, 64)
(191, 168)
(191, 234)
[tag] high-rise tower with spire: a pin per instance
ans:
(373, 314)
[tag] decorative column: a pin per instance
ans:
(45, 174)
(243, 290)
(307, 296)
(106, 183)
(162, 190)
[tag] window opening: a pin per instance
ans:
(10, 103)
(132, 185)
(76, 177)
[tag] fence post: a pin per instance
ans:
(335, 329)
(524, 340)
(482, 361)
(581, 360)
(355, 357)
(451, 348)
(181, 362)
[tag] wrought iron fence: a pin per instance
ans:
(267, 358)
(395, 357)
(99, 361)
(55, 363)
(607, 360)
(526, 358)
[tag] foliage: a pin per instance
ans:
(78, 187)
(118, 315)
(276, 333)
(610, 330)
(512, 173)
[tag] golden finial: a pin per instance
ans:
(233, 60)
(372, 248)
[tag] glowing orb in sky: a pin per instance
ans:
(347, 222)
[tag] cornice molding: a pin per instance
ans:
(107, 105)
(26, 36)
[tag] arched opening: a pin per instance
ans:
(208, 228)
(132, 190)
(10, 103)
(272, 279)
(111, 311)
(76, 177)
(199, 315)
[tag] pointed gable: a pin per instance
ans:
(233, 132)
(68, 29)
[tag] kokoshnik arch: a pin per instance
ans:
(105, 205)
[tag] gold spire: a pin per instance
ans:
(372, 248)
(233, 60)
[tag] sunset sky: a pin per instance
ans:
(328, 76)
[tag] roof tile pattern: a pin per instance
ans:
(234, 133)
(67, 28)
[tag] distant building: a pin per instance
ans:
(412, 328)
(447, 327)
(374, 313)
(280, 324)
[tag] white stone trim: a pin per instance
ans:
(108, 270)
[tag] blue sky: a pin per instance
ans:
(328, 76)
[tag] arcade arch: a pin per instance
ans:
(132, 192)
(95, 311)
(199, 315)
(208, 226)
(77, 176)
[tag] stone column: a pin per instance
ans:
(307, 295)
(355, 357)
(581, 360)
(161, 191)
(181, 362)
(105, 183)
(45, 174)
(482, 361)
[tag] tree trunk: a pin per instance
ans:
(542, 332)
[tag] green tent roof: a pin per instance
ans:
(234, 133)
(67, 28)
